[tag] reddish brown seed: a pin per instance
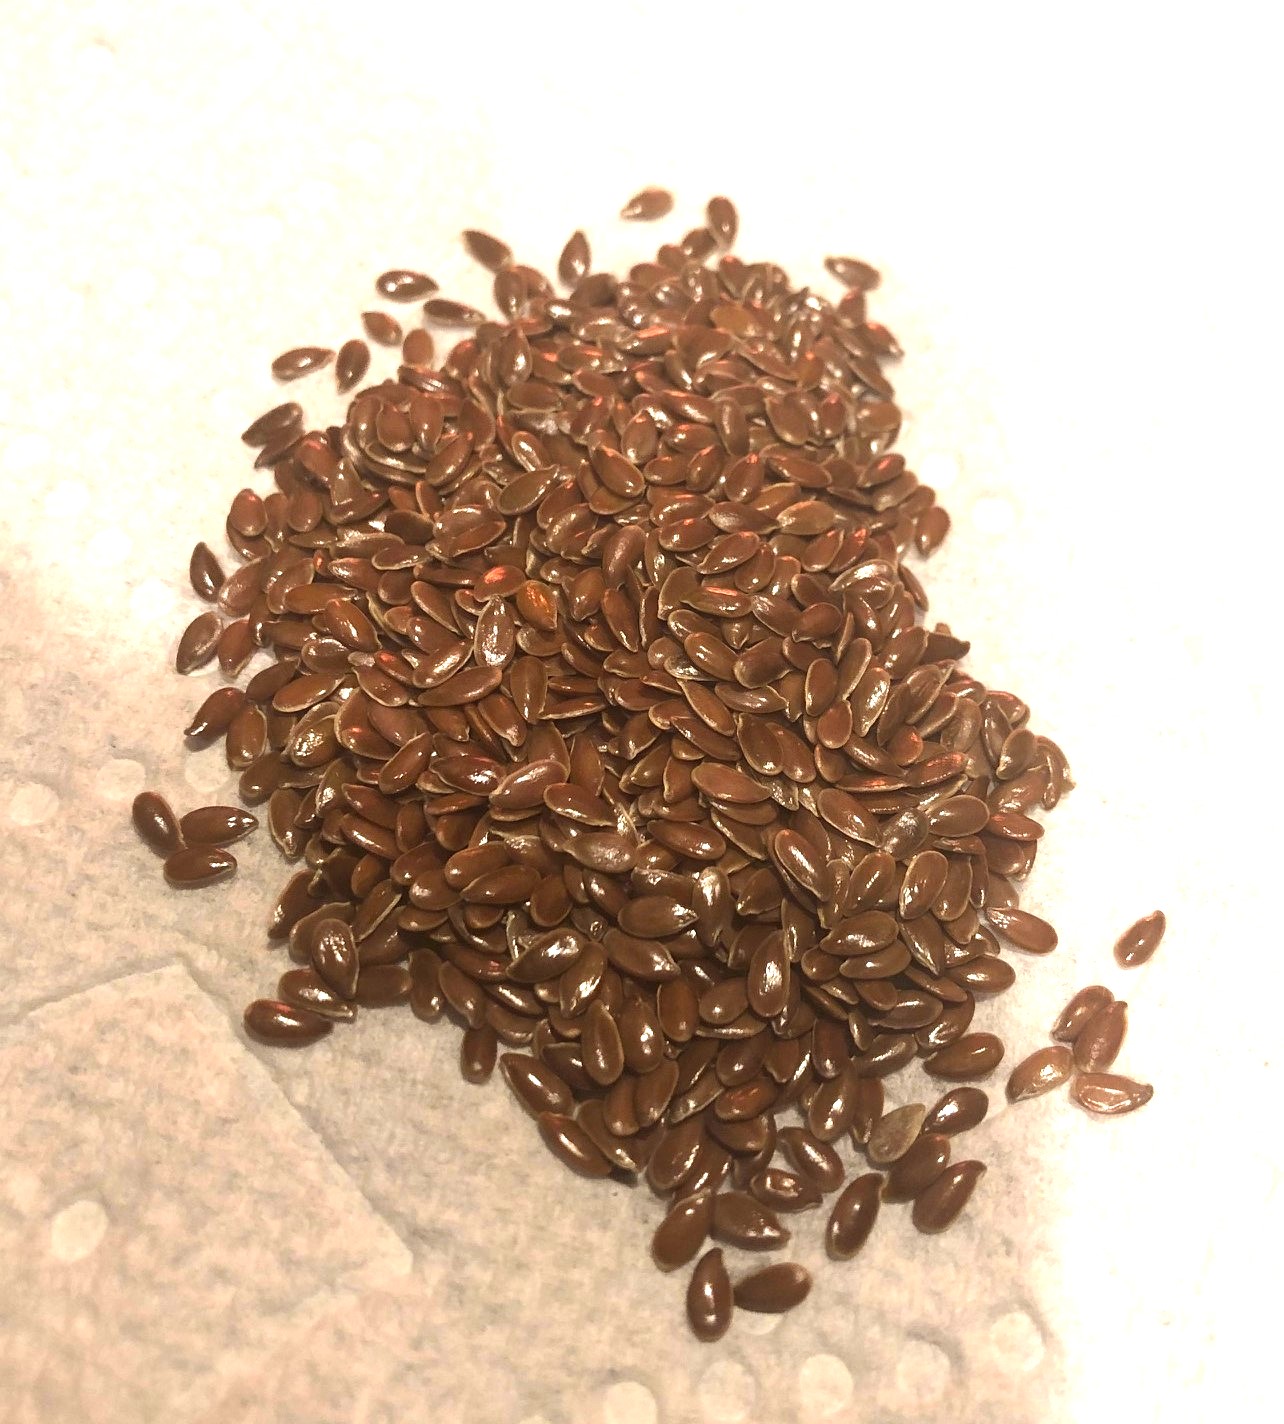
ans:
(938, 1207)
(351, 364)
(773, 1289)
(646, 206)
(284, 1025)
(193, 869)
(399, 285)
(300, 361)
(1109, 1094)
(568, 1141)
(709, 1297)
(723, 220)
(446, 312)
(973, 1056)
(1045, 1069)
(535, 1085)
(1138, 942)
(198, 643)
(853, 273)
(959, 1110)
(1023, 929)
(381, 328)
(379, 986)
(156, 823)
(305, 990)
(1097, 1044)
(853, 1217)
(205, 572)
(575, 259)
(780, 1190)
(1081, 1008)
(334, 955)
(217, 825)
(917, 1167)
(489, 251)
(813, 1158)
(683, 1231)
(739, 1220)
(477, 1050)
(272, 423)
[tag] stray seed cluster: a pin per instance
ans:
(601, 716)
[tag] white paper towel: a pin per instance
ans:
(198, 1230)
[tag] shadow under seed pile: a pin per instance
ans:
(603, 719)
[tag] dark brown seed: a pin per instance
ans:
(938, 1207)
(567, 1140)
(813, 1158)
(192, 869)
(1139, 941)
(284, 1025)
(723, 220)
(973, 1056)
(646, 206)
(300, 361)
(853, 1216)
(535, 1085)
(379, 986)
(833, 1108)
(959, 1110)
(739, 1220)
(600, 1045)
(1097, 1044)
(272, 423)
(156, 823)
(853, 273)
(381, 328)
(709, 1297)
(477, 1050)
(773, 1289)
(1045, 1069)
(217, 825)
(399, 285)
(198, 643)
(445, 312)
(780, 1190)
(334, 956)
(488, 250)
(1081, 1008)
(917, 1167)
(205, 572)
(1109, 1093)
(304, 989)
(351, 364)
(575, 259)
(683, 1231)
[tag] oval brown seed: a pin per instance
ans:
(683, 1231)
(600, 1045)
(535, 1085)
(284, 1025)
(575, 259)
(352, 362)
(568, 1141)
(477, 1049)
(399, 285)
(1045, 1069)
(917, 1167)
(192, 869)
(272, 423)
(780, 1190)
(813, 1158)
(1023, 929)
(959, 1110)
(1139, 941)
(334, 955)
(300, 361)
(709, 1297)
(739, 1220)
(833, 1107)
(381, 328)
(205, 572)
(1079, 1010)
(646, 206)
(972, 1056)
(217, 825)
(723, 220)
(488, 250)
(938, 1207)
(1097, 1044)
(894, 1133)
(379, 986)
(156, 823)
(198, 643)
(773, 1289)
(1109, 1093)
(853, 1216)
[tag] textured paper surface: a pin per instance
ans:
(197, 1230)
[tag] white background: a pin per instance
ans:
(1073, 209)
